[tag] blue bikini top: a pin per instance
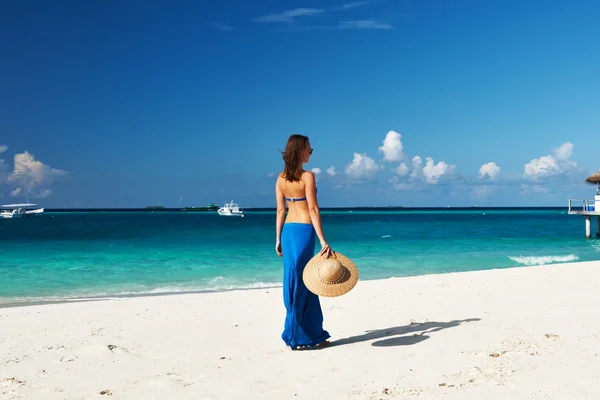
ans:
(295, 199)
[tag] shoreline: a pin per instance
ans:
(78, 299)
(518, 333)
(26, 303)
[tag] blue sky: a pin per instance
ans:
(413, 103)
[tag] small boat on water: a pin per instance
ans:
(230, 210)
(24, 210)
(211, 207)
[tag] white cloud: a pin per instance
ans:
(551, 165)
(364, 24)
(362, 167)
(289, 16)
(490, 169)
(399, 185)
(331, 171)
(30, 174)
(564, 151)
(351, 5)
(402, 169)
(433, 172)
(42, 194)
(543, 166)
(392, 147)
(534, 188)
(3, 148)
(316, 171)
(417, 167)
(222, 27)
(429, 172)
(271, 174)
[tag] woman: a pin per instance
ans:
(296, 244)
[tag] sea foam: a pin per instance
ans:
(541, 260)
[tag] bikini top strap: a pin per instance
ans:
(295, 199)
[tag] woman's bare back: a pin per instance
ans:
(295, 196)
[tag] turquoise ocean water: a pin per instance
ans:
(61, 255)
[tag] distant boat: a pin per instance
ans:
(155, 208)
(230, 210)
(23, 210)
(211, 207)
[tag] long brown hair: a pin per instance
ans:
(293, 157)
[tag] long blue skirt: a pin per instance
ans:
(304, 318)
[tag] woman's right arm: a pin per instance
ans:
(313, 209)
(280, 216)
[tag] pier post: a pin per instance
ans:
(598, 226)
(588, 227)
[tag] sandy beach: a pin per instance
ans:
(521, 333)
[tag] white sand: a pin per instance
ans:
(523, 333)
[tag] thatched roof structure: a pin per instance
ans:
(593, 179)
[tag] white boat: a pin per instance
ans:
(230, 210)
(23, 210)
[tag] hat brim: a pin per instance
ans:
(320, 288)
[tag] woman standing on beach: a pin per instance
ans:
(296, 244)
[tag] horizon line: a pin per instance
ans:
(163, 208)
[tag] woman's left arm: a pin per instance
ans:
(280, 216)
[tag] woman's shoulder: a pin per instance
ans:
(304, 177)
(282, 179)
(308, 175)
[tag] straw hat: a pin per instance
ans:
(330, 277)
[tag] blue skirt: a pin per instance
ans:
(304, 318)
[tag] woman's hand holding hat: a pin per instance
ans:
(331, 276)
(326, 250)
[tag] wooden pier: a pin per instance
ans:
(587, 208)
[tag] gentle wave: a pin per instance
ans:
(541, 260)
(143, 292)
(596, 246)
(212, 287)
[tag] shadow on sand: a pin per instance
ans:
(419, 330)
